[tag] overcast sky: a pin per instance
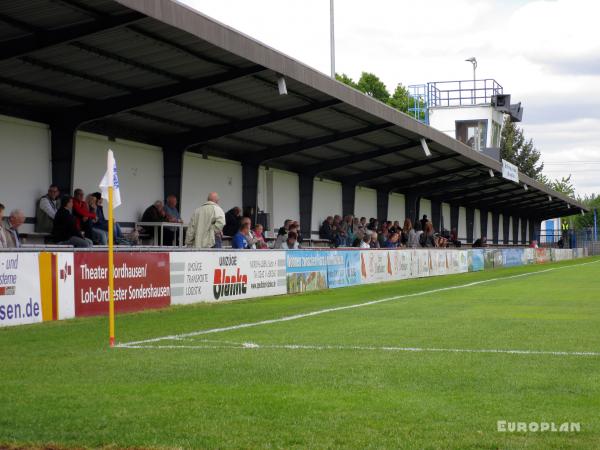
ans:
(545, 53)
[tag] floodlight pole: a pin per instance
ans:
(332, 38)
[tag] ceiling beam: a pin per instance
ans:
(102, 108)
(410, 183)
(44, 90)
(201, 135)
(377, 173)
(279, 151)
(43, 39)
(472, 193)
(437, 187)
(331, 164)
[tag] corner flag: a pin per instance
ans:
(111, 179)
(110, 191)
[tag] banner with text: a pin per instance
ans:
(221, 276)
(142, 281)
(306, 270)
(20, 301)
(343, 268)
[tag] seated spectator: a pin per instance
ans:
(242, 238)
(383, 236)
(393, 241)
(288, 225)
(155, 213)
(427, 239)
(64, 229)
(407, 230)
(338, 235)
(291, 242)
(414, 237)
(373, 225)
(481, 242)
(97, 235)
(325, 231)
(366, 240)
(233, 220)
(3, 236)
(102, 224)
(299, 237)
(533, 244)
(252, 241)
(454, 238)
(46, 210)
(363, 222)
(82, 213)
(261, 243)
(11, 226)
(171, 210)
(374, 242)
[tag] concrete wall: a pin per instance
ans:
(425, 209)
(462, 223)
(140, 170)
(201, 176)
(510, 230)
(446, 215)
(476, 225)
(396, 207)
(365, 202)
(25, 170)
(489, 228)
(327, 201)
(283, 194)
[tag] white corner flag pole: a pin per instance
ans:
(110, 191)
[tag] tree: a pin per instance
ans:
(400, 100)
(519, 151)
(563, 185)
(586, 221)
(346, 80)
(371, 85)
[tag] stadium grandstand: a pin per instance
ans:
(191, 106)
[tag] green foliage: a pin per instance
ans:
(370, 84)
(519, 151)
(63, 388)
(346, 80)
(586, 221)
(400, 100)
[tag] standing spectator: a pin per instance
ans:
(155, 213)
(46, 210)
(206, 224)
(233, 220)
(241, 240)
(171, 210)
(291, 242)
(3, 235)
(424, 221)
(64, 230)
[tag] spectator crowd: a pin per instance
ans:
(80, 221)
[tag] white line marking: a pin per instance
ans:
(342, 308)
(252, 345)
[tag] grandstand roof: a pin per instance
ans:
(159, 72)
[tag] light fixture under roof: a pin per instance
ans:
(425, 147)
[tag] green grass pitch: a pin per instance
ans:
(347, 378)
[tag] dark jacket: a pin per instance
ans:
(65, 226)
(325, 232)
(232, 223)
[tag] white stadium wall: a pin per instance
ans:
(201, 176)
(425, 209)
(25, 171)
(489, 227)
(365, 202)
(446, 215)
(501, 229)
(396, 208)
(510, 230)
(283, 193)
(476, 225)
(462, 223)
(327, 201)
(140, 169)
